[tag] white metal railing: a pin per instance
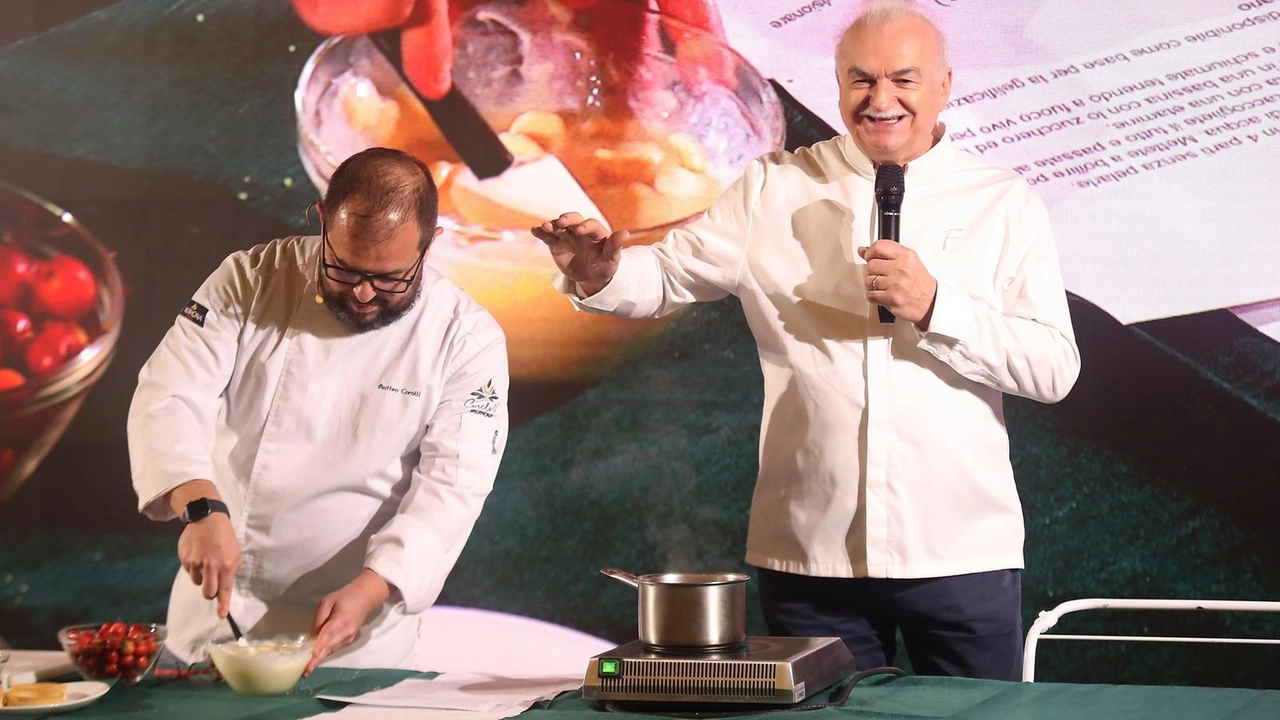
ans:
(1049, 618)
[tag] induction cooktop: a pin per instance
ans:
(776, 670)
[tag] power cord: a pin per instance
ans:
(837, 698)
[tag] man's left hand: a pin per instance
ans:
(898, 280)
(342, 613)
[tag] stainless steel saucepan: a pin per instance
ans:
(689, 610)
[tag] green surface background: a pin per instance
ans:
(900, 698)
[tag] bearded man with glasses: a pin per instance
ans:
(327, 415)
(368, 301)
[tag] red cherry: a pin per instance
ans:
(44, 356)
(15, 326)
(16, 269)
(57, 343)
(10, 378)
(63, 287)
(16, 332)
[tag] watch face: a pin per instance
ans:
(197, 510)
(201, 508)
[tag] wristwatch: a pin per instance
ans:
(201, 508)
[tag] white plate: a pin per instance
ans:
(79, 694)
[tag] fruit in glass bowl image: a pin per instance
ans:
(113, 651)
(651, 118)
(61, 305)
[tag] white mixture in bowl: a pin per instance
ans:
(261, 667)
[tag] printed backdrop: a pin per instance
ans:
(178, 131)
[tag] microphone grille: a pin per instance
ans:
(890, 181)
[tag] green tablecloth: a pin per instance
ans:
(878, 697)
(208, 700)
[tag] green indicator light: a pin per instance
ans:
(610, 667)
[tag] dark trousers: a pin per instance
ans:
(964, 625)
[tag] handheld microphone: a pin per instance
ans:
(890, 187)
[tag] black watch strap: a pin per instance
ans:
(201, 508)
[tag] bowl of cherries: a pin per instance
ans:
(113, 651)
(61, 305)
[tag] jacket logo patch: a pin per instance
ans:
(194, 312)
(483, 400)
(951, 236)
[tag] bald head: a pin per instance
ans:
(378, 190)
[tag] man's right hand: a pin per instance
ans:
(208, 549)
(584, 250)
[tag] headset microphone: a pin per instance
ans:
(319, 297)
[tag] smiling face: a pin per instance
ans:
(893, 81)
(350, 247)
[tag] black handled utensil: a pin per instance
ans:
(459, 121)
(235, 629)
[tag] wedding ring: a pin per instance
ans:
(874, 279)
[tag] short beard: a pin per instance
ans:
(337, 303)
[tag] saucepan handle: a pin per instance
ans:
(622, 576)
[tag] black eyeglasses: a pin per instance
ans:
(381, 283)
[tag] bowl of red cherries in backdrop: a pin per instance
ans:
(109, 651)
(61, 304)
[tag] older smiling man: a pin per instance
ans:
(885, 499)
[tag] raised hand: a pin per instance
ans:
(426, 42)
(426, 39)
(584, 249)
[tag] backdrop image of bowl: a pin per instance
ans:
(652, 130)
(61, 306)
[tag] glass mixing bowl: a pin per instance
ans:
(113, 651)
(261, 666)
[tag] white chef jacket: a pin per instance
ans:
(334, 450)
(883, 450)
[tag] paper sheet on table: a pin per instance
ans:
(376, 712)
(1150, 130)
(466, 691)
